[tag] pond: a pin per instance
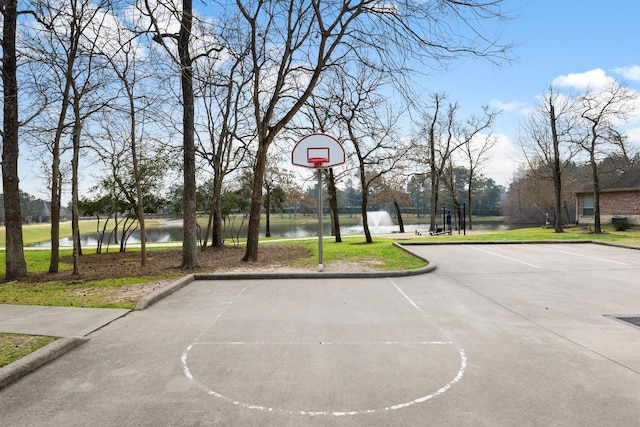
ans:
(379, 223)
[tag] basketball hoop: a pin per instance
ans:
(318, 151)
(317, 161)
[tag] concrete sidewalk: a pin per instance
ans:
(71, 324)
(55, 321)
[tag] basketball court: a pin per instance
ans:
(497, 335)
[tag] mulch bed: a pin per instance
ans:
(167, 262)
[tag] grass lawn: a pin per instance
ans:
(609, 235)
(382, 254)
(65, 290)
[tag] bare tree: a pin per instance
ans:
(63, 38)
(603, 112)
(546, 143)
(89, 79)
(369, 121)
(116, 193)
(15, 263)
(437, 130)
(293, 43)
(474, 148)
(442, 139)
(124, 56)
(224, 139)
(184, 59)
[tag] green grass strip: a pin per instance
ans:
(15, 346)
(96, 294)
(382, 254)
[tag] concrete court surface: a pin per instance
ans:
(497, 335)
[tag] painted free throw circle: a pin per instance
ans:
(273, 379)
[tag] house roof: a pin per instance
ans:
(628, 181)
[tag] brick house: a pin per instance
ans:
(620, 198)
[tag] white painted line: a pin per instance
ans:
(407, 297)
(586, 256)
(228, 304)
(501, 256)
(235, 402)
(326, 343)
(458, 377)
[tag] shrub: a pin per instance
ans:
(622, 224)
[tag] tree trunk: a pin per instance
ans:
(365, 220)
(434, 201)
(56, 178)
(209, 231)
(267, 210)
(470, 216)
(449, 184)
(333, 205)
(214, 225)
(123, 237)
(597, 226)
(55, 209)
(217, 238)
(399, 215)
(557, 172)
(365, 200)
(116, 224)
(137, 178)
(190, 239)
(469, 223)
(253, 229)
(16, 265)
(75, 227)
(456, 212)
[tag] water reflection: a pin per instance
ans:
(309, 228)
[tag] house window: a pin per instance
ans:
(587, 205)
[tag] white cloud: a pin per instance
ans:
(630, 73)
(590, 79)
(506, 106)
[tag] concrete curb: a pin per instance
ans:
(313, 275)
(33, 361)
(156, 296)
(493, 242)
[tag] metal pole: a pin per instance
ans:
(320, 266)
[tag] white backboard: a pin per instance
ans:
(318, 146)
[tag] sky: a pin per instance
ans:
(564, 42)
